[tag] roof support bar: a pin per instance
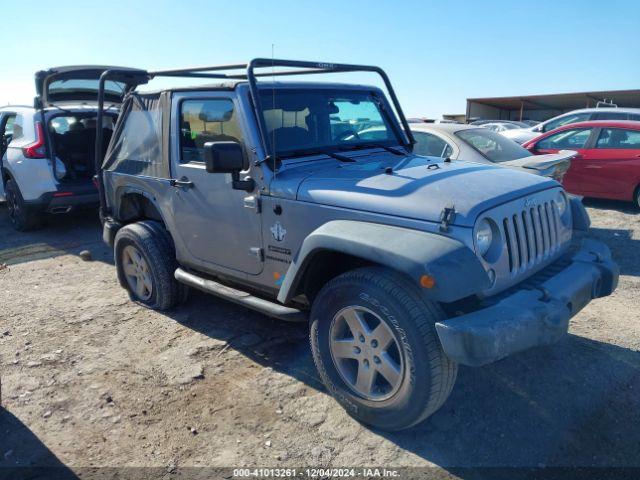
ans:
(297, 67)
(312, 68)
(294, 67)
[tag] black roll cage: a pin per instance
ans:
(135, 77)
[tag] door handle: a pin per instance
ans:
(184, 182)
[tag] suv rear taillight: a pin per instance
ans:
(36, 149)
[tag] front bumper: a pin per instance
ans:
(536, 313)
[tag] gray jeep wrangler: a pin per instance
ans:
(282, 197)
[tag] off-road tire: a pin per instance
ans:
(429, 374)
(22, 218)
(154, 243)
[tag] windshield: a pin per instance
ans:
(493, 146)
(312, 121)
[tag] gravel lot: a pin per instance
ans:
(91, 379)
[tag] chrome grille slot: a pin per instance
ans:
(505, 225)
(552, 228)
(522, 240)
(531, 242)
(537, 232)
(512, 245)
(531, 235)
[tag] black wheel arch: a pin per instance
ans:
(322, 266)
(5, 176)
(135, 205)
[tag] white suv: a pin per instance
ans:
(47, 152)
(522, 135)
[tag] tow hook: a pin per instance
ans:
(545, 294)
(446, 217)
(597, 257)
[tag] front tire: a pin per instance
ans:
(374, 343)
(146, 262)
(636, 197)
(21, 217)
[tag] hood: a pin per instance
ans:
(417, 187)
(547, 165)
(79, 84)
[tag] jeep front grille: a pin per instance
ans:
(532, 235)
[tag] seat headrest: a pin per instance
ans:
(617, 137)
(76, 127)
(291, 137)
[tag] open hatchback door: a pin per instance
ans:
(79, 84)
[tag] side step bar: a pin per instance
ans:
(245, 299)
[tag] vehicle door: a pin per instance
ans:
(6, 131)
(6, 135)
(218, 226)
(614, 163)
(578, 178)
(80, 84)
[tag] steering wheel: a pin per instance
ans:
(349, 133)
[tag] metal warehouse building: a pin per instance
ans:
(542, 107)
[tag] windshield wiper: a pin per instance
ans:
(300, 153)
(364, 146)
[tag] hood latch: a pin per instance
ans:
(447, 216)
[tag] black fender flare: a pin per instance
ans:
(579, 215)
(110, 226)
(455, 268)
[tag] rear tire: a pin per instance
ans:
(636, 197)
(403, 383)
(21, 217)
(146, 262)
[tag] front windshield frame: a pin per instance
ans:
(519, 151)
(386, 115)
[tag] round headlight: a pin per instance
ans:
(484, 237)
(561, 201)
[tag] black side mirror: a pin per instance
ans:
(223, 157)
(228, 157)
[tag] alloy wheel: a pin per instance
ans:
(366, 353)
(137, 273)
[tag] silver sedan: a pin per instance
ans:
(478, 144)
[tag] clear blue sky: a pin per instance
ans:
(436, 53)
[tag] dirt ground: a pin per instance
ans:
(91, 379)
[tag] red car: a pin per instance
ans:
(608, 161)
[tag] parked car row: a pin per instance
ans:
(605, 158)
(582, 115)
(314, 202)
